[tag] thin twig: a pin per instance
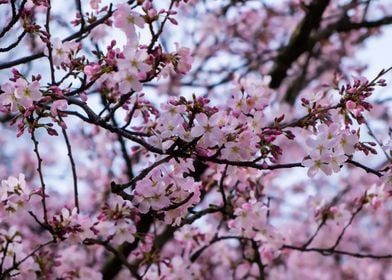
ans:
(49, 44)
(141, 175)
(13, 45)
(347, 225)
(73, 166)
(41, 176)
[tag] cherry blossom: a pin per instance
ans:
(13, 193)
(20, 93)
(126, 19)
(194, 140)
(208, 129)
(61, 52)
(8, 96)
(26, 93)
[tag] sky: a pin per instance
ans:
(377, 52)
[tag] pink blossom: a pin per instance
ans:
(13, 193)
(8, 96)
(92, 70)
(132, 69)
(207, 128)
(171, 126)
(134, 60)
(20, 93)
(94, 4)
(184, 63)
(325, 140)
(26, 92)
(124, 232)
(58, 105)
(151, 193)
(71, 226)
(193, 176)
(61, 52)
(241, 150)
(348, 141)
(250, 219)
(318, 162)
(126, 19)
(129, 81)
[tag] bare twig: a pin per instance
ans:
(73, 166)
(41, 176)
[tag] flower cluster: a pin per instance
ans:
(330, 149)
(166, 189)
(251, 222)
(69, 224)
(127, 20)
(116, 221)
(184, 162)
(62, 52)
(131, 69)
(20, 93)
(13, 193)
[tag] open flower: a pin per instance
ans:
(26, 92)
(209, 130)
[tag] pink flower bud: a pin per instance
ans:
(350, 105)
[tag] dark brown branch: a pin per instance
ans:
(142, 174)
(7, 117)
(122, 259)
(178, 204)
(197, 215)
(257, 260)
(349, 26)
(5, 252)
(251, 163)
(310, 240)
(371, 133)
(328, 252)
(303, 41)
(298, 84)
(93, 118)
(366, 168)
(221, 186)
(15, 17)
(14, 44)
(298, 42)
(22, 60)
(79, 8)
